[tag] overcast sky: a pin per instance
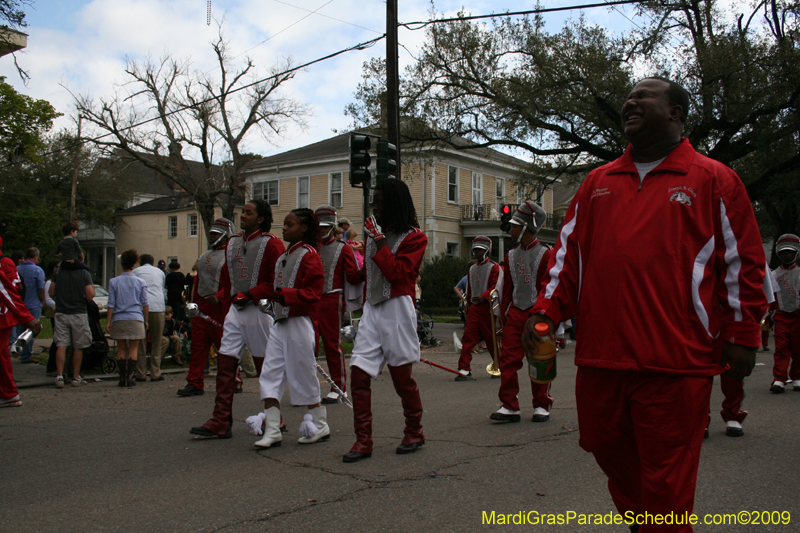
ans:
(83, 45)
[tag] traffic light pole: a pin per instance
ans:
(392, 80)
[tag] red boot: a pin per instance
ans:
(360, 388)
(408, 391)
(220, 423)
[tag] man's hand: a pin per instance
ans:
(279, 296)
(529, 335)
(35, 326)
(212, 299)
(373, 229)
(477, 300)
(741, 360)
(241, 299)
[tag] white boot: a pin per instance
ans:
(272, 431)
(320, 420)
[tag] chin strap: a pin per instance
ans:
(216, 243)
(521, 233)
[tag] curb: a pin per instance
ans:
(102, 377)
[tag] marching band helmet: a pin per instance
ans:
(531, 215)
(326, 215)
(221, 229)
(788, 242)
(482, 241)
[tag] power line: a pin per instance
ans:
(423, 24)
(326, 16)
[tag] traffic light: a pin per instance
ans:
(387, 160)
(505, 218)
(360, 176)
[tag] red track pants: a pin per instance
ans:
(329, 311)
(787, 347)
(204, 335)
(8, 388)
(645, 431)
(478, 327)
(511, 359)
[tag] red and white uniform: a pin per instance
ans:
(290, 359)
(206, 332)
(387, 333)
(787, 324)
(523, 272)
(481, 281)
(12, 312)
(659, 272)
(249, 267)
(339, 265)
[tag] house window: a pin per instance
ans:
(500, 193)
(477, 188)
(302, 191)
(172, 227)
(452, 185)
(451, 249)
(267, 190)
(192, 219)
(336, 189)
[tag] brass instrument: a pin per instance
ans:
(493, 368)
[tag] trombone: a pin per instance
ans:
(493, 368)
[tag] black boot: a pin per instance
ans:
(130, 381)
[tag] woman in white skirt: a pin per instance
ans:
(128, 310)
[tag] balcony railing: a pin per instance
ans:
(488, 212)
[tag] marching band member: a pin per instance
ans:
(290, 359)
(787, 316)
(207, 329)
(481, 281)
(247, 276)
(387, 333)
(340, 265)
(523, 271)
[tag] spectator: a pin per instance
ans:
(344, 223)
(17, 256)
(357, 246)
(12, 312)
(128, 316)
(170, 340)
(49, 310)
(32, 277)
(71, 289)
(461, 287)
(162, 265)
(155, 280)
(69, 249)
(191, 277)
(338, 233)
(176, 281)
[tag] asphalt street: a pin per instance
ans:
(102, 458)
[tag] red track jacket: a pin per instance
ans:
(659, 274)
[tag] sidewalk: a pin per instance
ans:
(35, 375)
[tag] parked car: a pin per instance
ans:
(101, 299)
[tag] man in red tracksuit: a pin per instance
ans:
(207, 329)
(12, 312)
(481, 281)
(661, 259)
(339, 264)
(523, 271)
(787, 316)
(246, 277)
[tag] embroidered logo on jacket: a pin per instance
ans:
(681, 197)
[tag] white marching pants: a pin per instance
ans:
(248, 327)
(290, 361)
(387, 334)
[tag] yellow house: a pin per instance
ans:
(458, 194)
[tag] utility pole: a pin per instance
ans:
(392, 80)
(76, 165)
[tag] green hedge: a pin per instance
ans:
(439, 276)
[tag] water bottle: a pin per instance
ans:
(542, 365)
(23, 340)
